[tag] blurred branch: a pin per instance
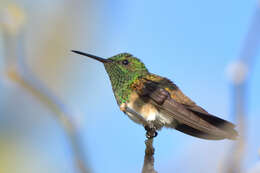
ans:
(240, 72)
(25, 78)
(66, 123)
(148, 166)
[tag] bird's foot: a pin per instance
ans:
(150, 131)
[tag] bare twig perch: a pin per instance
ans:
(148, 166)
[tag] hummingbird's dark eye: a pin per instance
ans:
(125, 62)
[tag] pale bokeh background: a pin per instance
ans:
(192, 43)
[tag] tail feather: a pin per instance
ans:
(223, 125)
(200, 134)
(226, 127)
(196, 133)
(210, 118)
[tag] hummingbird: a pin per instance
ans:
(156, 102)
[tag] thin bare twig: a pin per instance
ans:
(148, 166)
(68, 126)
(240, 75)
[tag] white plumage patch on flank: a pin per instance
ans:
(146, 110)
(151, 116)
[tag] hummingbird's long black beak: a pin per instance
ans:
(103, 60)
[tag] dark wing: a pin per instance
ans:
(192, 119)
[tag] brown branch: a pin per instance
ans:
(148, 166)
(245, 64)
(68, 126)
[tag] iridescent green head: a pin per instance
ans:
(123, 69)
(124, 65)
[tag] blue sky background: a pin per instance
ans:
(191, 43)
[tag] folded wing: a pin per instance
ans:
(191, 119)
